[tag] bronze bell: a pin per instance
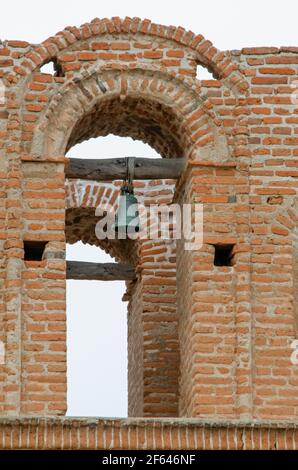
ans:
(127, 218)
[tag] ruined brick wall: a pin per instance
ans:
(214, 341)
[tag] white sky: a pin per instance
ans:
(229, 24)
(97, 353)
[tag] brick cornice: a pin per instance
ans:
(145, 433)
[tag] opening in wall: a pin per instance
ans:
(202, 73)
(53, 67)
(224, 255)
(96, 341)
(34, 250)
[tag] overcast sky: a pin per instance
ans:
(97, 351)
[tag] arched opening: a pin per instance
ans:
(165, 109)
(148, 121)
(169, 119)
(97, 346)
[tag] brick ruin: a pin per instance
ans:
(209, 346)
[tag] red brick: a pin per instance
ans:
(191, 345)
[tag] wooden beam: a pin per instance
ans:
(99, 271)
(109, 169)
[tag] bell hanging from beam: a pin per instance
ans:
(127, 218)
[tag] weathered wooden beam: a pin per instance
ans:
(99, 271)
(109, 169)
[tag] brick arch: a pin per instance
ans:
(177, 119)
(217, 62)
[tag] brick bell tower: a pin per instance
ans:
(211, 352)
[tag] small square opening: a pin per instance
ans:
(52, 67)
(34, 250)
(224, 255)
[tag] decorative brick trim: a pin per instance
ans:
(216, 61)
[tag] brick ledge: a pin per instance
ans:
(145, 433)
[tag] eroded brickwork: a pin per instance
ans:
(204, 340)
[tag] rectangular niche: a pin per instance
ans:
(34, 250)
(224, 255)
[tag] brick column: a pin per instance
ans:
(153, 334)
(43, 324)
(213, 301)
